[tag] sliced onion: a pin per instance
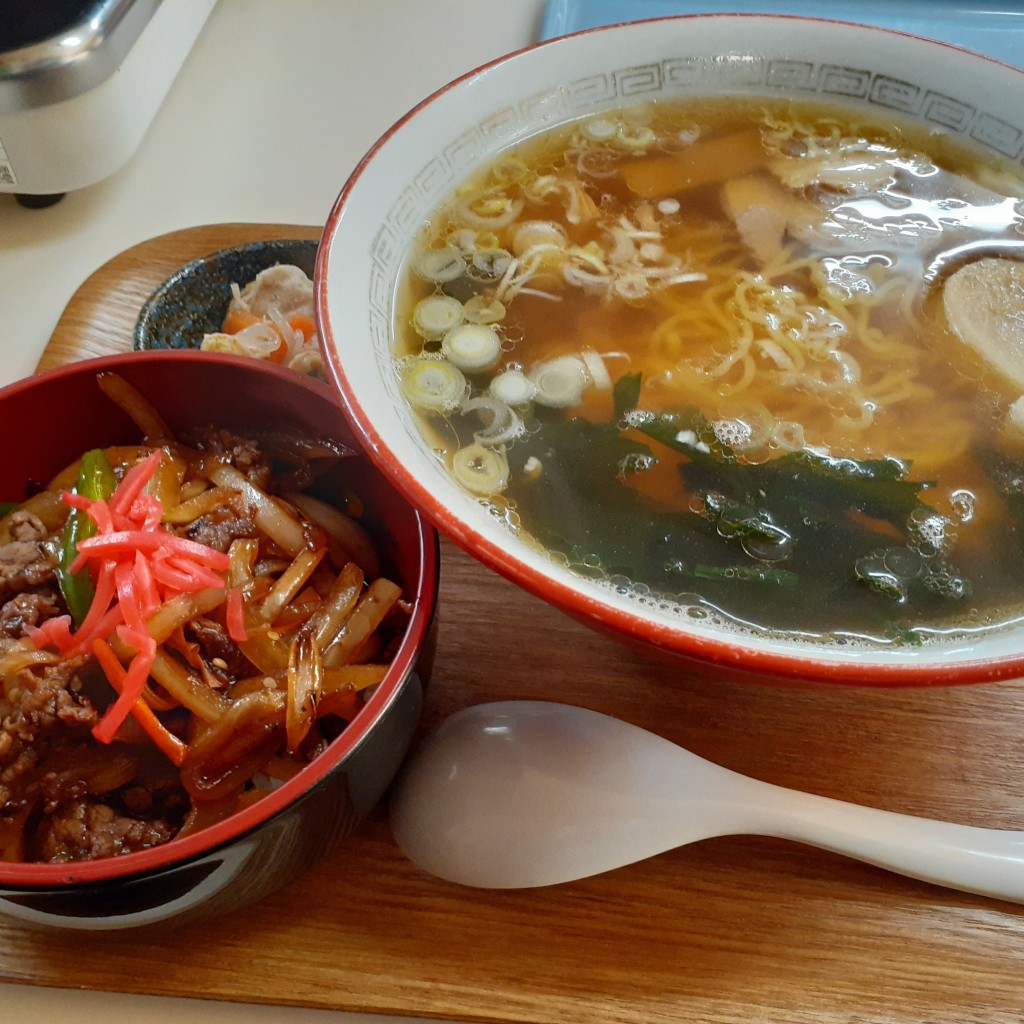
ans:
(373, 606)
(305, 684)
(597, 370)
(472, 347)
(290, 582)
(309, 361)
(349, 534)
(270, 514)
(436, 315)
(585, 278)
(560, 382)
(292, 337)
(434, 385)
(258, 340)
(24, 655)
(481, 470)
(501, 424)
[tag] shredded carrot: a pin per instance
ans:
(280, 354)
(304, 324)
(238, 319)
(164, 739)
(132, 686)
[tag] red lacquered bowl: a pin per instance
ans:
(50, 419)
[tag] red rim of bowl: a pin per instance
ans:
(178, 852)
(726, 654)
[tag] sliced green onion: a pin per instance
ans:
(637, 136)
(483, 310)
(513, 388)
(434, 385)
(472, 347)
(560, 382)
(441, 265)
(436, 315)
(600, 129)
(481, 470)
(490, 264)
(488, 210)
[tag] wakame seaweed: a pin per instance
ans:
(802, 531)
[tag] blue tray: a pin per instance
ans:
(992, 27)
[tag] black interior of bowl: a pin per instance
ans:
(193, 301)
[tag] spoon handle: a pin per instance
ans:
(986, 861)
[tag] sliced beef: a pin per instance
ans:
(85, 829)
(219, 651)
(219, 529)
(26, 526)
(28, 609)
(24, 564)
(243, 453)
(53, 698)
(43, 707)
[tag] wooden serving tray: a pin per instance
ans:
(730, 931)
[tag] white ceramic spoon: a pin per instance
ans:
(528, 793)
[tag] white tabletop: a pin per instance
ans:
(271, 111)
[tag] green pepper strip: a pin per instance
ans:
(95, 481)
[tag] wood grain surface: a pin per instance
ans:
(727, 931)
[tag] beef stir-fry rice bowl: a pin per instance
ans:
(184, 625)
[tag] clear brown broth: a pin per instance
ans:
(846, 274)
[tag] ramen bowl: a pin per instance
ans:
(392, 197)
(58, 415)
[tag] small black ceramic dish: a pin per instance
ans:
(193, 301)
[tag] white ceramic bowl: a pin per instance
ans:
(416, 164)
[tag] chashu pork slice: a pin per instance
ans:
(984, 303)
(282, 287)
